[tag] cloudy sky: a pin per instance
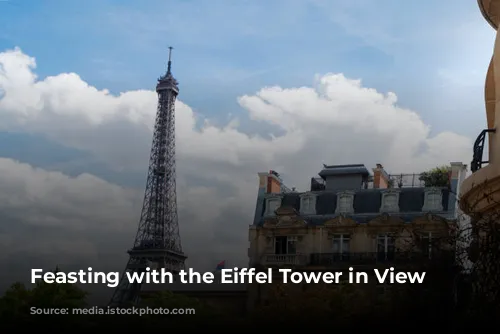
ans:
(285, 85)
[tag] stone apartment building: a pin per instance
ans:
(348, 218)
(351, 217)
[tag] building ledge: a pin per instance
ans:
(480, 192)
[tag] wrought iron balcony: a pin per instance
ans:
(477, 158)
(373, 258)
(285, 259)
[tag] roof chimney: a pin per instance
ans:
(270, 182)
(380, 177)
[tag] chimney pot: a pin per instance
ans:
(380, 180)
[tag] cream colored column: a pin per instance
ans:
(491, 12)
(490, 99)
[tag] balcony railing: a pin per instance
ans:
(335, 259)
(400, 181)
(477, 158)
(395, 181)
(405, 181)
(285, 259)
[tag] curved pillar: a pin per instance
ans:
(490, 101)
(480, 192)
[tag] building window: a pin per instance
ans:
(390, 201)
(433, 200)
(341, 244)
(386, 247)
(285, 245)
(427, 244)
(272, 205)
(308, 204)
(345, 202)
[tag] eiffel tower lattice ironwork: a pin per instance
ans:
(157, 243)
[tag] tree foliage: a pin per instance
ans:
(296, 304)
(468, 287)
(17, 301)
(483, 271)
(436, 177)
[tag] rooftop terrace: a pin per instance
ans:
(353, 191)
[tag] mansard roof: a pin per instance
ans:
(366, 204)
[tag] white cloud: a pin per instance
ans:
(39, 197)
(338, 121)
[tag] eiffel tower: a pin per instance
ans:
(157, 243)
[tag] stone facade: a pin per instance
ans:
(362, 227)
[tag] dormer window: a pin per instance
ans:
(345, 202)
(433, 200)
(308, 204)
(272, 204)
(390, 201)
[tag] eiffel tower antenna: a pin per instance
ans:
(169, 67)
(157, 243)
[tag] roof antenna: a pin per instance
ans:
(169, 59)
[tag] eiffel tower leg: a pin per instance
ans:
(126, 292)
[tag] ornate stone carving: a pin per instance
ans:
(340, 224)
(286, 217)
(386, 219)
(385, 223)
(431, 223)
